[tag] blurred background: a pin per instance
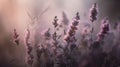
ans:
(13, 14)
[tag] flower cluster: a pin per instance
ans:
(52, 52)
(70, 36)
(30, 56)
(55, 36)
(55, 23)
(93, 13)
(104, 29)
(16, 37)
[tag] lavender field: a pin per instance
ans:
(62, 42)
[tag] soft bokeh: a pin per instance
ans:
(13, 14)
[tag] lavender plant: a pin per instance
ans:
(70, 37)
(29, 47)
(16, 37)
(51, 53)
(104, 29)
(55, 23)
(93, 17)
(56, 37)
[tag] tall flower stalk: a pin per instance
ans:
(29, 47)
(93, 17)
(70, 36)
(104, 29)
(55, 40)
(55, 35)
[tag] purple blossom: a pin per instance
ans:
(75, 22)
(16, 37)
(54, 35)
(100, 36)
(71, 32)
(70, 36)
(67, 38)
(93, 13)
(30, 60)
(77, 16)
(30, 57)
(104, 29)
(55, 22)
(74, 28)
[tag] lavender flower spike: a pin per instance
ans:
(55, 22)
(30, 57)
(104, 29)
(93, 13)
(16, 37)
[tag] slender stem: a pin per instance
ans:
(92, 31)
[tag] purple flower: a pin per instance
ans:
(93, 13)
(105, 26)
(73, 27)
(30, 60)
(67, 38)
(75, 22)
(16, 37)
(55, 22)
(77, 16)
(55, 35)
(104, 29)
(29, 49)
(71, 32)
(70, 36)
(100, 36)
